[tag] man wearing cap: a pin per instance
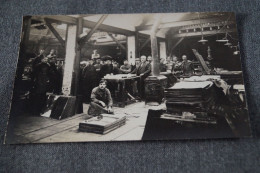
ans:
(107, 68)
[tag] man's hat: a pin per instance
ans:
(83, 62)
(106, 57)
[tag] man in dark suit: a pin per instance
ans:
(143, 70)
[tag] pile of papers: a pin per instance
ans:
(202, 78)
(102, 124)
(189, 96)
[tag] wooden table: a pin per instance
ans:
(123, 88)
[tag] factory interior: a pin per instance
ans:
(192, 86)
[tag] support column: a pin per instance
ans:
(25, 32)
(168, 45)
(23, 46)
(137, 45)
(163, 53)
(155, 84)
(131, 49)
(71, 49)
(75, 83)
(154, 47)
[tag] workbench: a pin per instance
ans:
(123, 87)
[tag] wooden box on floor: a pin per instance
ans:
(103, 124)
(66, 106)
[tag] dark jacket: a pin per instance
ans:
(142, 68)
(116, 70)
(89, 73)
(187, 68)
(106, 69)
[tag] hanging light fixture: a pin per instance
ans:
(223, 39)
(236, 52)
(202, 40)
(227, 44)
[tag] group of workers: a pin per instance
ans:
(94, 70)
(46, 76)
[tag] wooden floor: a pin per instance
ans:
(29, 129)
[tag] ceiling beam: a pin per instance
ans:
(108, 28)
(110, 43)
(115, 40)
(213, 32)
(176, 44)
(208, 25)
(62, 19)
(90, 24)
(182, 23)
(55, 33)
(145, 43)
(91, 32)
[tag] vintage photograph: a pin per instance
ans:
(128, 77)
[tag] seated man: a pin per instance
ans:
(126, 68)
(101, 100)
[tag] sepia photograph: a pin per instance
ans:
(128, 77)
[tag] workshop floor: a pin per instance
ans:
(31, 129)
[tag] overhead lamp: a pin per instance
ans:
(202, 40)
(223, 39)
(236, 52)
(227, 44)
